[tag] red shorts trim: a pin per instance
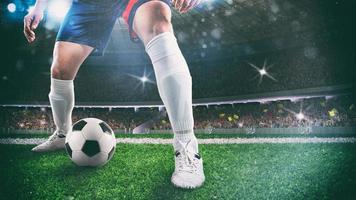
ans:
(128, 9)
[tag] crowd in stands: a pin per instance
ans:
(281, 114)
(321, 112)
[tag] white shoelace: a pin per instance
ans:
(187, 161)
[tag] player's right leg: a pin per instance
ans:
(67, 58)
(87, 26)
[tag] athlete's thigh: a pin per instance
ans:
(67, 58)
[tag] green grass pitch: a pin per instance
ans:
(235, 171)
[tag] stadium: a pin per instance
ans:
(274, 105)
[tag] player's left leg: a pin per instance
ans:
(152, 23)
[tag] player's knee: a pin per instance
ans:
(60, 71)
(161, 18)
(161, 26)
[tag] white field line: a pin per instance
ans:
(202, 141)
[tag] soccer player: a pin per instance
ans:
(86, 30)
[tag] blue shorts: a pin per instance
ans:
(90, 22)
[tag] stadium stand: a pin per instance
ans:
(318, 112)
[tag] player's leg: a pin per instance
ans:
(67, 58)
(87, 26)
(152, 23)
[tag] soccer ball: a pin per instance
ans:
(90, 143)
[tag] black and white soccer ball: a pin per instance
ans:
(90, 143)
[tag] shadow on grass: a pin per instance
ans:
(69, 169)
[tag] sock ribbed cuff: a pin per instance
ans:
(61, 86)
(164, 49)
(154, 40)
(183, 126)
(183, 130)
(184, 137)
(162, 46)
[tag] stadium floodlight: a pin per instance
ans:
(11, 7)
(144, 79)
(57, 9)
(300, 116)
(263, 71)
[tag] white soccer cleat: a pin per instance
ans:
(54, 142)
(188, 171)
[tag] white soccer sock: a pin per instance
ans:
(174, 84)
(61, 98)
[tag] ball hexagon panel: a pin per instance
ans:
(75, 140)
(80, 159)
(92, 130)
(68, 136)
(91, 148)
(107, 142)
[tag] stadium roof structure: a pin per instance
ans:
(292, 95)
